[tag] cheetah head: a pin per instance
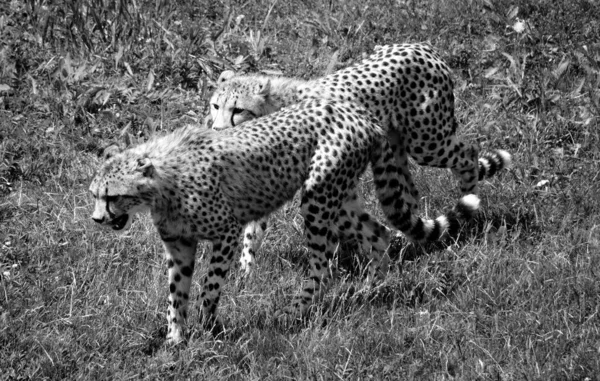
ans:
(238, 99)
(121, 188)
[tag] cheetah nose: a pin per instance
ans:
(98, 220)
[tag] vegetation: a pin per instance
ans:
(517, 297)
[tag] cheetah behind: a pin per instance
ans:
(407, 87)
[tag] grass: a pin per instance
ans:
(516, 298)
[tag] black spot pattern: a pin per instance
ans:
(244, 173)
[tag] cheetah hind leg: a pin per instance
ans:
(397, 143)
(466, 167)
(254, 233)
(352, 222)
(320, 211)
(357, 225)
(467, 164)
(393, 192)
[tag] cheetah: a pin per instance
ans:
(407, 88)
(203, 184)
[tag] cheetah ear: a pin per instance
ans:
(145, 166)
(265, 89)
(225, 76)
(111, 151)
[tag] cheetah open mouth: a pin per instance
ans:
(120, 222)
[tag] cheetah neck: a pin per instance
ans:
(168, 157)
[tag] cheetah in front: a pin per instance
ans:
(206, 185)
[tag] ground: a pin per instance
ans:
(517, 297)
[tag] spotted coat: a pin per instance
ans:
(206, 185)
(408, 89)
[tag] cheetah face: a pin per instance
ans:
(229, 114)
(120, 191)
(110, 211)
(234, 103)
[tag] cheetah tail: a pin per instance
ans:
(492, 162)
(399, 206)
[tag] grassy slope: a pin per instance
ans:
(518, 298)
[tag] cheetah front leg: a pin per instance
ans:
(253, 237)
(181, 255)
(219, 264)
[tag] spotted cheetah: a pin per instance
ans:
(407, 87)
(202, 184)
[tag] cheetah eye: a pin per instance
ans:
(215, 106)
(237, 110)
(112, 198)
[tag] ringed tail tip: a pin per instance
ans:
(468, 205)
(506, 157)
(443, 222)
